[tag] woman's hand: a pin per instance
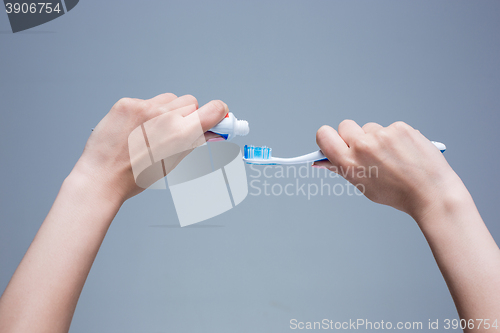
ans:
(409, 173)
(106, 161)
(44, 290)
(394, 165)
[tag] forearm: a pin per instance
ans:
(44, 290)
(42, 294)
(466, 254)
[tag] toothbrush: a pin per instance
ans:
(262, 156)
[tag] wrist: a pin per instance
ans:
(90, 185)
(440, 207)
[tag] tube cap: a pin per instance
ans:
(241, 128)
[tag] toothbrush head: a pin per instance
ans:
(262, 156)
(257, 153)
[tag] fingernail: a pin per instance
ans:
(216, 139)
(318, 166)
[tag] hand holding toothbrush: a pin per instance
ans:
(413, 176)
(407, 171)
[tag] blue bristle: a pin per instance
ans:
(260, 153)
(245, 151)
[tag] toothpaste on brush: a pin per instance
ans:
(229, 127)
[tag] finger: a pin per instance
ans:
(332, 145)
(349, 131)
(325, 164)
(186, 110)
(211, 114)
(163, 99)
(371, 127)
(181, 102)
(213, 137)
(400, 126)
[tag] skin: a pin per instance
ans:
(413, 176)
(44, 290)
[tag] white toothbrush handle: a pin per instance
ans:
(318, 156)
(308, 158)
(439, 146)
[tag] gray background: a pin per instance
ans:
(286, 67)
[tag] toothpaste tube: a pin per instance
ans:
(230, 127)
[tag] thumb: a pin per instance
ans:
(332, 145)
(211, 114)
